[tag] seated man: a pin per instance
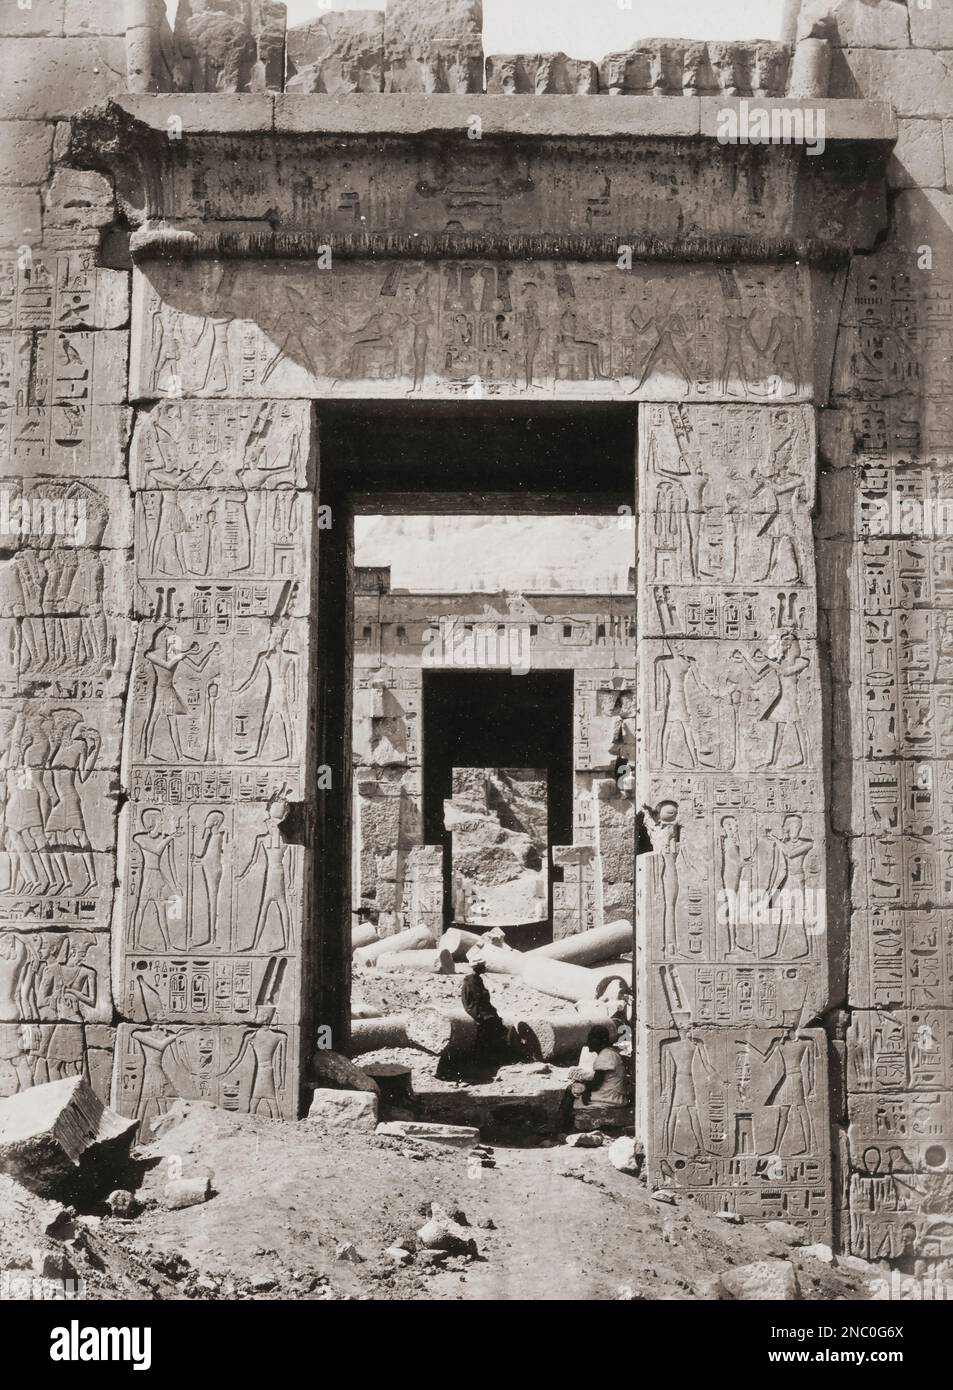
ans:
(491, 1035)
(599, 1096)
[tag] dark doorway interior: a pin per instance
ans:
(495, 719)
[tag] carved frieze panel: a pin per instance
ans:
(901, 959)
(220, 689)
(61, 291)
(604, 719)
(713, 706)
(243, 1067)
(725, 522)
(61, 397)
(34, 1053)
(258, 446)
(249, 550)
(54, 976)
(739, 1120)
(213, 878)
(456, 328)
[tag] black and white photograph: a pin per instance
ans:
(476, 670)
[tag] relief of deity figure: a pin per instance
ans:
(680, 1059)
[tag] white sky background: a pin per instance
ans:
(457, 554)
(592, 28)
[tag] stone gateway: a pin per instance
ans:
(238, 264)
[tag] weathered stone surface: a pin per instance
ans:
(626, 1155)
(675, 66)
(515, 74)
(433, 46)
(857, 23)
(932, 27)
(581, 332)
(41, 18)
(219, 46)
(774, 1280)
(248, 1067)
(50, 77)
(179, 1193)
(59, 1137)
(918, 81)
(498, 820)
(46, 977)
(267, 21)
(25, 150)
(32, 1054)
(337, 53)
(340, 1073)
(352, 1112)
(918, 158)
(456, 1136)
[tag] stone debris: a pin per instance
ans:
(774, 1280)
(190, 1191)
(660, 1195)
(337, 1072)
(821, 1252)
(730, 1218)
(786, 1231)
(59, 1138)
(591, 1140)
(352, 1111)
(457, 1136)
(627, 1155)
(121, 1203)
(442, 1232)
(347, 1253)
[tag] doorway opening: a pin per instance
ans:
(477, 691)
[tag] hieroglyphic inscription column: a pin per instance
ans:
(731, 902)
(65, 524)
(215, 883)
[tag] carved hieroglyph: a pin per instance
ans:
(458, 328)
(888, 550)
(732, 899)
(214, 884)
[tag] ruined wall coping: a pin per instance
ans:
(439, 114)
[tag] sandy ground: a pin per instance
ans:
(549, 1222)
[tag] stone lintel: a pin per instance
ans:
(543, 117)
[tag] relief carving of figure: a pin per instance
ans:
(679, 1059)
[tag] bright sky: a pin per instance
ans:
(592, 28)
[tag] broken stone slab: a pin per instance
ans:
(337, 53)
(456, 1136)
(370, 1034)
(591, 947)
(730, 1218)
(344, 1112)
(121, 1203)
(764, 1280)
(335, 1072)
(821, 1252)
(433, 962)
(60, 1138)
(413, 939)
(433, 46)
(626, 1154)
(180, 1193)
(540, 74)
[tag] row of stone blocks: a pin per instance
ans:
(420, 46)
